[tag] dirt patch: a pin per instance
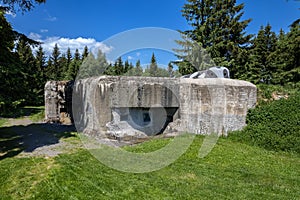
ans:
(22, 137)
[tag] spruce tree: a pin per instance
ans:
(153, 66)
(216, 26)
(40, 62)
(67, 64)
(126, 67)
(119, 67)
(287, 56)
(63, 64)
(260, 66)
(74, 66)
(85, 53)
(54, 69)
(29, 70)
(138, 69)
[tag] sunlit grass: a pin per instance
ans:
(231, 171)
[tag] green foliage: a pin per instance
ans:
(259, 65)
(73, 65)
(119, 67)
(153, 66)
(217, 27)
(92, 66)
(23, 5)
(3, 121)
(274, 126)
(11, 69)
(85, 53)
(193, 57)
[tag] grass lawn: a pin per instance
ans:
(231, 171)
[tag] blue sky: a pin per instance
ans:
(79, 23)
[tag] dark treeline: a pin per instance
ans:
(266, 57)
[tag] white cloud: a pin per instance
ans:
(130, 58)
(77, 43)
(44, 30)
(51, 19)
(138, 54)
(35, 36)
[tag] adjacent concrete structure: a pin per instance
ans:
(140, 106)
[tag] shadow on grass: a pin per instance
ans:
(15, 139)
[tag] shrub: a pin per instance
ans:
(274, 126)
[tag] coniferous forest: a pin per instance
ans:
(263, 58)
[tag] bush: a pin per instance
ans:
(274, 126)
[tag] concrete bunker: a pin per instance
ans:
(143, 106)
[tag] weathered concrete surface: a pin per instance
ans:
(214, 105)
(141, 106)
(58, 101)
(123, 105)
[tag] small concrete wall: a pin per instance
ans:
(214, 105)
(58, 101)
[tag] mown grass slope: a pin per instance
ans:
(231, 171)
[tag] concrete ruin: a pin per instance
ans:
(58, 102)
(112, 106)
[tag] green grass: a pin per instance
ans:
(2, 121)
(39, 115)
(231, 171)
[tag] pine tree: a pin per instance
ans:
(138, 69)
(23, 5)
(217, 27)
(109, 70)
(12, 69)
(40, 62)
(54, 69)
(102, 63)
(88, 67)
(77, 55)
(292, 74)
(126, 67)
(74, 66)
(29, 70)
(65, 75)
(286, 58)
(153, 66)
(85, 53)
(63, 64)
(119, 67)
(69, 56)
(260, 64)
